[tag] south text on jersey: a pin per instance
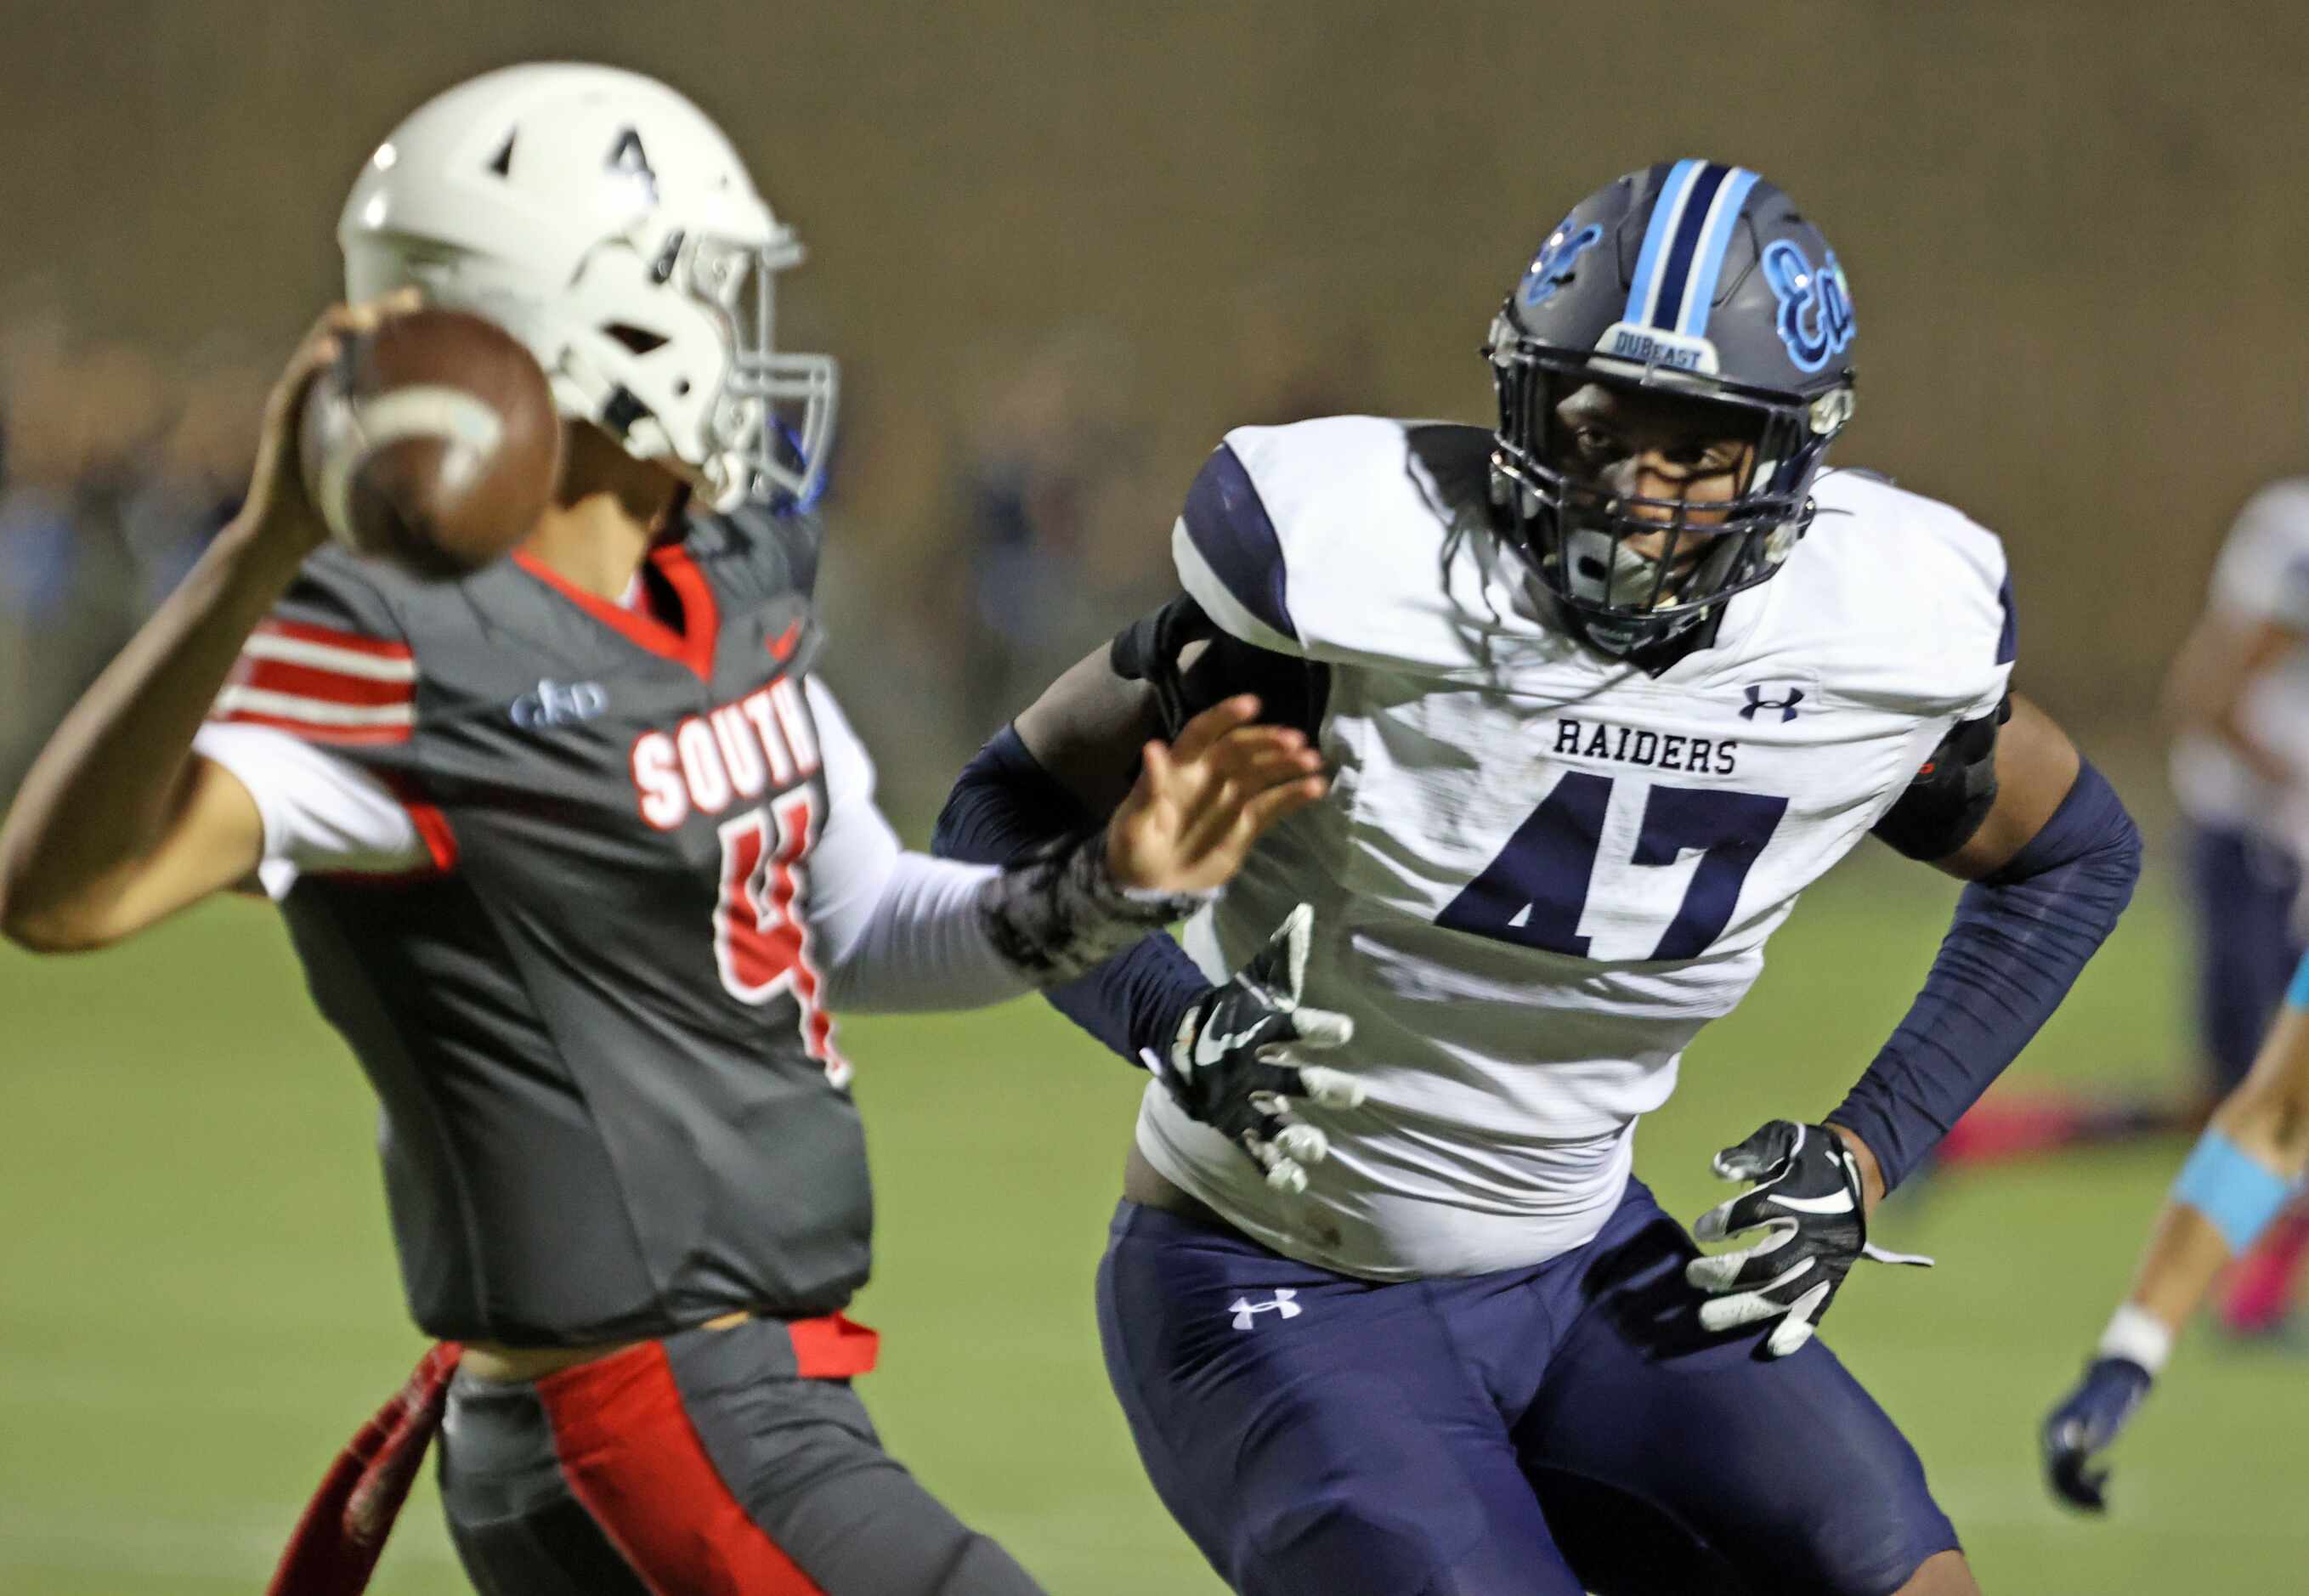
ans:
(763, 741)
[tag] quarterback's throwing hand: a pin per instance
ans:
(1203, 800)
(1230, 1065)
(1807, 1199)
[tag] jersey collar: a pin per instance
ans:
(692, 646)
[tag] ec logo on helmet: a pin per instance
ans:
(1551, 268)
(1815, 306)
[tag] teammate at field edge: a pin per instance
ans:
(1604, 687)
(578, 855)
(2250, 1163)
(2236, 703)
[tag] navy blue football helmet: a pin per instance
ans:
(1695, 290)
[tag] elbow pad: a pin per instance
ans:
(1952, 792)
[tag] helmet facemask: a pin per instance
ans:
(767, 432)
(1728, 487)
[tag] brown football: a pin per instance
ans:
(431, 442)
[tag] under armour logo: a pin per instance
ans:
(1246, 1312)
(1757, 700)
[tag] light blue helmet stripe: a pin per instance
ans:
(1723, 217)
(1664, 212)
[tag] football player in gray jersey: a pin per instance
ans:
(579, 858)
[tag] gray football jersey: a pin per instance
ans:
(612, 1105)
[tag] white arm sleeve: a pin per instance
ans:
(321, 812)
(895, 930)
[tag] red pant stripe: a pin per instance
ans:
(634, 1459)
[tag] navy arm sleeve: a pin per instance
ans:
(1005, 805)
(2020, 938)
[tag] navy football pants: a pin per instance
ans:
(699, 1465)
(2241, 894)
(1541, 1432)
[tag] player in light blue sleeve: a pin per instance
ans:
(2247, 1167)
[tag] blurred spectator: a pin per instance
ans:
(114, 473)
(196, 474)
(1044, 454)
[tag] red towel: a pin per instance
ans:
(336, 1544)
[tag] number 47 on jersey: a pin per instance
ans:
(1535, 891)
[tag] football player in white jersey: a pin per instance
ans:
(2248, 1168)
(2237, 699)
(1603, 690)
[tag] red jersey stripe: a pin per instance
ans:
(833, 1348)
(634, 1459)
(433, 825)
(313, 731)
(308, 681)
(316, 711)
(331, 637)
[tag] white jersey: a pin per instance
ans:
(2262, 575)
(1539, 871)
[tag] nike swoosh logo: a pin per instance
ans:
(1839, 1204)
(1210, 1049)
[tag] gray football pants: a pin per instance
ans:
(698, 1465)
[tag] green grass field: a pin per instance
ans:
(198, 1303)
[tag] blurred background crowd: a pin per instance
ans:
(1058, 249)
(116, 464)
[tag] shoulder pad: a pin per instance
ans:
(750, 551)
(1326, 539)
(343, 592)
(330, 665)
(1919, 593)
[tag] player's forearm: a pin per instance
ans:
(1066, 898)
(98, 799)
(945, 934)
(2184, 1255)
(2020, 939)
(1005, 806)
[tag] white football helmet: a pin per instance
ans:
(605, 221)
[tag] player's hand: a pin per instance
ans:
(1203, 800)
(2087, 1421)
(1231, 1065)
(278, 511)
(1808, 1199)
